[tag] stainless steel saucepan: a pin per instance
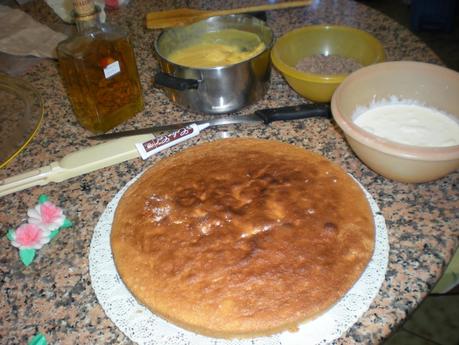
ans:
(214, 90)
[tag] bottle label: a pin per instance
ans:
(112, 69)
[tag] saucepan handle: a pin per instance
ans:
(171, 82)
(295, 112)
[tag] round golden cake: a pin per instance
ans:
(242, 237)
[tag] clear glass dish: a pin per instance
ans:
(21, 114)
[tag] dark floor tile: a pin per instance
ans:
(444, 44)
(437, 319)
(406, 338)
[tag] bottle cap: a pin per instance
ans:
(84, 8)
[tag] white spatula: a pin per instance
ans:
(76, 163)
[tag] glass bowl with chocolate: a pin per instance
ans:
(315, 59)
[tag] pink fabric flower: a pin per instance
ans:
(47, 216)
(29, 236)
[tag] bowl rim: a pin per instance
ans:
(314, 77)
(425, 153)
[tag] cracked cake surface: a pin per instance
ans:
(242, 237)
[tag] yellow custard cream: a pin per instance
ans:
(220, 48)
(410, 124)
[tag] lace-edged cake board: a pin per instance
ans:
(143, 327)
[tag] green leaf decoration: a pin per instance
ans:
(42, 199)
(67, 224)
(10, 234)
(53, 233)
(27, 255)
(39, 339)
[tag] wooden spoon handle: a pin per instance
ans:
(260, 8)
(184, 16)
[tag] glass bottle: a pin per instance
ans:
(99, 71)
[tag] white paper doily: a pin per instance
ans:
(144, 327)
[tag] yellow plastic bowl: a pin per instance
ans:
(327, 40)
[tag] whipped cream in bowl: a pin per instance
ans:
(408, 122)
(401, 118)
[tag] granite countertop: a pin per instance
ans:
(54, 294)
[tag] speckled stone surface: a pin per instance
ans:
(54, 294)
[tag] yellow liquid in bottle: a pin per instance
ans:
(101, 79)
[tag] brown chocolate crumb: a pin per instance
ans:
(327, 64)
